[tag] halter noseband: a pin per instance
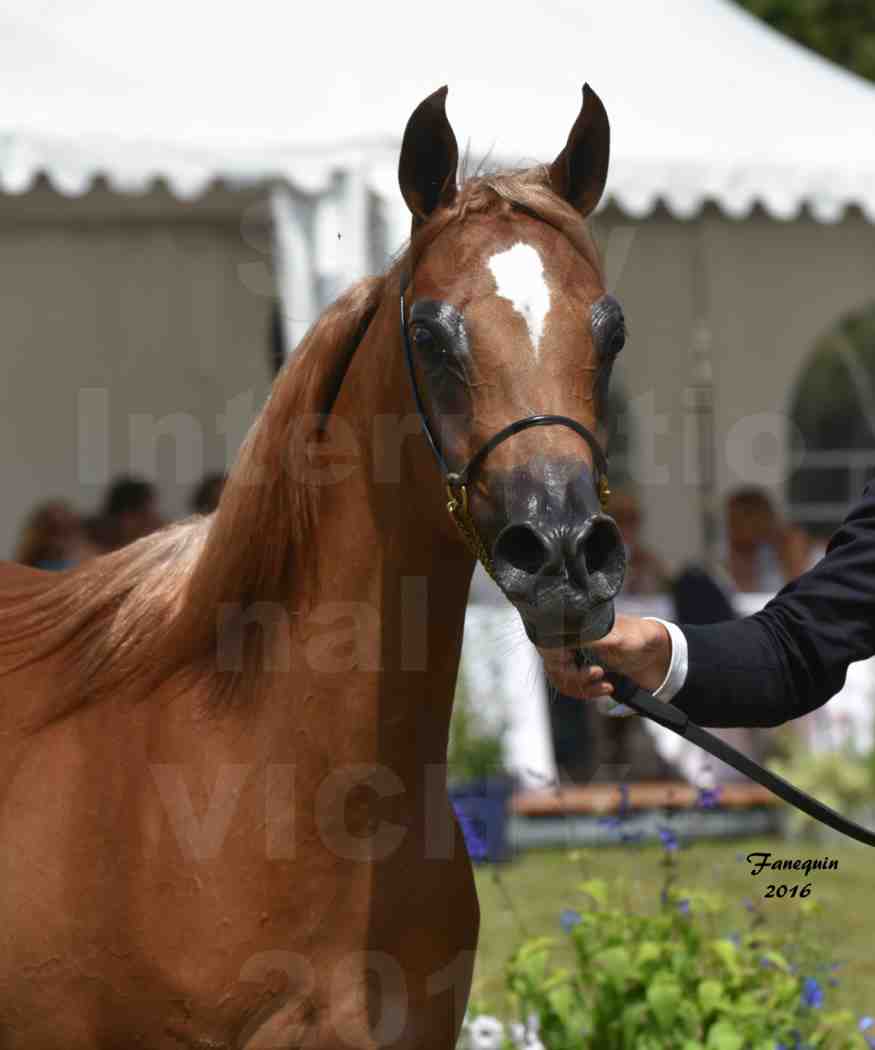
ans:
(457, 480)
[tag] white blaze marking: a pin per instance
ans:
(519, 277)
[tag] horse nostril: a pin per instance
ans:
(522, 547)
(600, 551)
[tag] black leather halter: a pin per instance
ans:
(457, 480)
(626, 692)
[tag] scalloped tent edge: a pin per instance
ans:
(707, 104)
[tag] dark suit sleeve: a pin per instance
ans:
(791, 657)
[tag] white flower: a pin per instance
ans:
(517, 1034)
(485, 1033)
(525, 1037)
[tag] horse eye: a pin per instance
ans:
(423, 338)
(618, 341)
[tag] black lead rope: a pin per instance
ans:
(671, 717)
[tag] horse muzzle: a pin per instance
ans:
(561, 573)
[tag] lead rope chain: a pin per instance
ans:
(457, 505)
(458, 508)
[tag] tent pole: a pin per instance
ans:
(698, 401)
(293, 230)
(351, 191)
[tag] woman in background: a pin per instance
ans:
(53, 538)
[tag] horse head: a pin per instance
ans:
(511, 336)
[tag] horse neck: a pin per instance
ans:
(384, 632)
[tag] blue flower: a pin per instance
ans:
(569, 918)
(749, 904)
(735, 938)
(812, 993)
(684, 907)
(631, 836)
(669, 839)
(615, 820)
(624, 799)
(863, 1024)
(609, 822)
(709, 798)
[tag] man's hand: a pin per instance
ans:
(640, 649)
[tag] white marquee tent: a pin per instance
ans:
(706, 102)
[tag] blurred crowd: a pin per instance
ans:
(761, 551)
(56, 536)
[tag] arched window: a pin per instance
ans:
(832, 430)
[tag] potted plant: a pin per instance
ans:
(479, 784)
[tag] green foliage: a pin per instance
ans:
(842, 779)
(826, 404)
(475, 750)
(673, 980)
(841, 30)
(831, 406)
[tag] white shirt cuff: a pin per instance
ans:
(678, 665)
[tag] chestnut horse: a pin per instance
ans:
(224, 816)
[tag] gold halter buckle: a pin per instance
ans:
(454, 504)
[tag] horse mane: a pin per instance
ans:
(159, 610)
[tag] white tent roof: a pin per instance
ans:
(705, 102)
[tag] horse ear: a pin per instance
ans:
(579, 173)
(429, 157)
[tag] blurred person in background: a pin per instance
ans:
(645, 572)
(206, 496)
(130, 512)
(54, 537)
(764, 552)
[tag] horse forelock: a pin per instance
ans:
(527, 190)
